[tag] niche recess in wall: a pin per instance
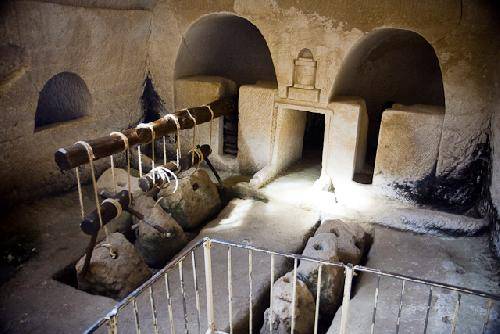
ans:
(64, 97)
(228, 46)
(389, 66)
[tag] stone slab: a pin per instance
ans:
(408, 143)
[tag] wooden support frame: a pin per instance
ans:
(76, 154)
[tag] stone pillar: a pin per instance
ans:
(345, 140)
(255, 130)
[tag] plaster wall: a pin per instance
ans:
(105, 48)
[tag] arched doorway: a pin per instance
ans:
(218, 47)
(64, 97)
(389, 66)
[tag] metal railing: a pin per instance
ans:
(112, 320)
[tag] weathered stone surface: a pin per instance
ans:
(196, 91)
(495, 179)
(113, 277)
(325, 246)
(105, 182)
(122, 224)
(350, 231)
(195, 200)
(14, 62)
(345, 142)
(255, 108)
(160, 237)
(441, 259)
(408, 143)
(433, 222)
(56, 38)
(282, 308)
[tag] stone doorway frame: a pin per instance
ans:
(344, 143)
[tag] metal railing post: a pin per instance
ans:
(113, 324)
(346, 299)
(208, 281)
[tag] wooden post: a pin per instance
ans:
(76, 155)
(91, 225)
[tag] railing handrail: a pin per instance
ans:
(360, 268)
(349, 267)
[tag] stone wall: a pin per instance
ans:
(463, 35)
(105, 48)
(112, 50)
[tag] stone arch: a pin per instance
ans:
(226, 51)
(64, 97)
(226, 45)
(390, 66)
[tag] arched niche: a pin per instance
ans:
(222, 50)
(390, 66)
(64, 97)
(225, 45)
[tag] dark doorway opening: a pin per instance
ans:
(314, 135)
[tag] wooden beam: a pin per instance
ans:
(91, 225)
(76, 155)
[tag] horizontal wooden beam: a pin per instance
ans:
(76, 154)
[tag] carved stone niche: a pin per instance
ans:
(304, 78)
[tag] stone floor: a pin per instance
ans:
(465, 262)
(34, 302)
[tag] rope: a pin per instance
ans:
(91, 156)
(112, 162)
(164, 174)
(194, 134)
(175, 119)
(127, 148)
(80, 195)
(117, 205)
(199, 153)
(212, 116)
(164, 151)
(140, 160)
(150, 127)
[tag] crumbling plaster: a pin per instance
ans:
(106, 48)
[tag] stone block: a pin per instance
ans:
(282, 308)
(105, 182)
(196, 91)
(408, 143)
(256, 105)
(113, 277)
(347, 231)
(324, 246)
(158, 237)
(300, 94)
(195, 200)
